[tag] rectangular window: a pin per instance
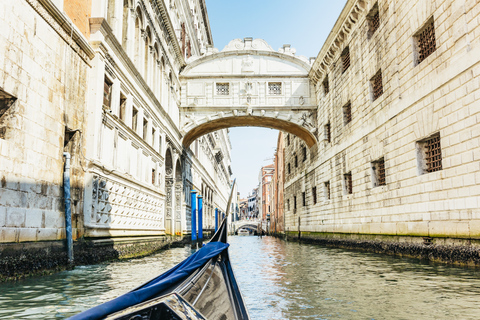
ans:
(288, 139)
(294, 202)
(288, 204)
(296, 161)
(347, 177)
(123, 105)
(134, 119)
(425, 41)
(304, 152)
(107, 92)
(304, 199)
(326, 190)
(430, 154)
(289, 170)
(326, 133)
(153, 176)
(314, 195)
(153, 136)
(378, 173)
(376, 85)
(275, 88)
(223, 89)
(326, 88)
(373, 19)
(145, 129)
(6, 103)
(345, 59)
(347, 113)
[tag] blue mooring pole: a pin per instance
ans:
(193, 194)
(68, 211)
(200, 218)
(216, 219)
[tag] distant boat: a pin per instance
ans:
(243, 232)
(203, 286)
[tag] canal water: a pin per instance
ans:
(279, 280)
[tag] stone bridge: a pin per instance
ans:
(248, 84)
(251, 225)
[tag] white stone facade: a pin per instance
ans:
(437, 96)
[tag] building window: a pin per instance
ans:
(288, 204)
(430, 154)
(314, 195)
(275, 88)
(378, 173)
(223, 89)
(153, 136)
(326, 88)
(304, 152)
(6, 103)
(294, 202)
(326, 190)
(145, 129)
(304, 199)
(345, 59)
(288, 139)
(326, 133)
(123, 106)
(107, 92)
(425, 41)
(347, 113)
(134, 119)
(289, 169)
(377, 86)
(153, 176)
(373, 19)
(347, 177)
(296, 161)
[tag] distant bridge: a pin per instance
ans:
(251, 225)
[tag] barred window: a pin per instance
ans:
(326, 190)
(327, 134)
(304, 199)
(223, 89)
(373, 19)
(314, 195)
(275, 88)
(425, 40)
(304, 151)
(294, 202)
(378, 173)
(288, 139)
(430, 153)
(288, 204)
(347, 113)
(345, 59)
(348, 183)
(377, 85)
(326, 88)
(296, 161)
(289, 170)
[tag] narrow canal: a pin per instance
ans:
(279, 280)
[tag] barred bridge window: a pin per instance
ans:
(425, 39)
(223, 89)
(377, 85)
(275, 88)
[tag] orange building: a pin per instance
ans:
(266, 176)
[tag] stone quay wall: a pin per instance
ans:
(384, 92)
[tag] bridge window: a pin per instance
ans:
(223, 89)
(275, 88)
(376, 85)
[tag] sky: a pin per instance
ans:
(304, 24)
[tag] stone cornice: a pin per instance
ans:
(64, 27)
(339, 34)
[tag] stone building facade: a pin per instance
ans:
(100, 80)
(277, 188)
(398, 157)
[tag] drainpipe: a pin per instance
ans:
(68, 211)
(200, 218)
(193, 194)
(216, 219)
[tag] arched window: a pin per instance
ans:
(156, 71)
(148, 56)
(138, 38)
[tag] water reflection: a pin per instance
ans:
(279, 280)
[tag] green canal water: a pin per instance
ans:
(279, 280)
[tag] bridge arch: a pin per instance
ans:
(248, 84)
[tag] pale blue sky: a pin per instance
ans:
(304, 24)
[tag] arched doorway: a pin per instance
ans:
(169, 191)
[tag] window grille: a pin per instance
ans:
(304, 151)
(314, 195)
(433, 154)
(304, 199)
(347, 113)
(288, 204)
(288, 139)
(373, 20)
(345, 59)
(275, 88)
(377, 85)
(326, 88)
(296, 161)
(426, 41)
(289, 169)
(348, 183)
(328, 136)
(327, 190)
(378, 168)
(294, 202)
(223, 89)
